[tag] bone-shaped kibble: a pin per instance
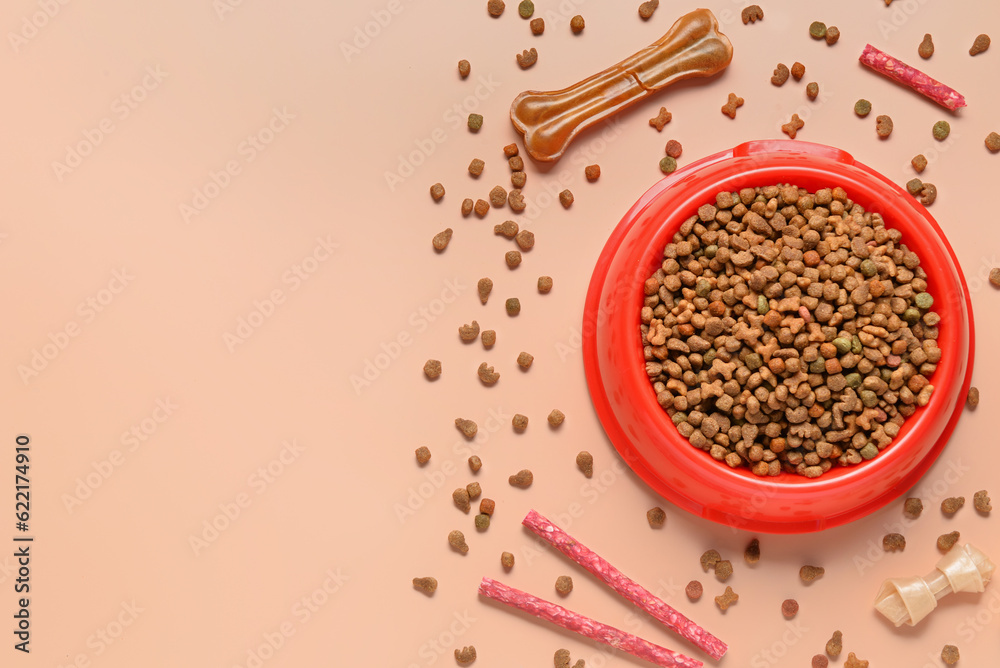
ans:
(693, 47)
(908, 600)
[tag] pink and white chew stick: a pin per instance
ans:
(883, 63)
(624, 585)
(585, 626)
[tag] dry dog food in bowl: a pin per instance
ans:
(784, 500)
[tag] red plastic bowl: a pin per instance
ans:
(642, 432)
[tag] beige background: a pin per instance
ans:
(230, 336)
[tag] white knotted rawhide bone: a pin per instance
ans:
(908, 600)
(693, 47)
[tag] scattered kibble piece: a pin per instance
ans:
(862, 107)
(482, 521)
(812, 90)
(482, 207)
(512, 258)
(727, 599)
(647, 8)
(469, 332)
(524, 360)
(912, 508)
(427, 585)
(475, 463)
(949, 654)
(461, 498)
(556, 417)
(993, 142)
(751, 555)
(474, 490)
(485, 287)
(811, 573)
(464, 68)
(468, 654)
(792, 127)
(537, 26)
(883, 126)
(667, 164)
(507, 228)
(525, 239)
(820, 661)
(476, 167)
(437, 192)
(789, 608)
(564, 584)
(566, 199)
(432, 369)
(513, 306)
(982, 501)
(817, 30)
(526, 9)
(467, 427)
(495, 7)
(798, 70)
(832, 35)
(947, 541)
(585, 462)
(941, 130)
(516, 201)
(467, 205)
(498, 196)
(507, 560)
(518, 179)
(694, 590)
(972, 398)
(487, 374)
(730, 107)
(752, 14)
(592, 172)
(475, 122)
(487, 506)
(919, 162)
(914, 186)
(442, 239)
(893, 542)
(674, 148)
(926, 48)
(656, 517)
(928, 194)
(723, 570)
(952, 504)
(561, 658)
(423, 454)
(516, 163)
(527, 58)
(661, 119)
(709, 559)
(577, 24)
(835, 645)
(544, 284)
(457, 540)
(519, 422)
(781, 73)
(510, 150)
(981, 43)
(522, 478)
(855, 662)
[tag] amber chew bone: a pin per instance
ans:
(693, 47)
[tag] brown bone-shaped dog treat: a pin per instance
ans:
(693, 47)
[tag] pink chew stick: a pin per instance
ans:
(899, 71)
(585, 626)
(624, 585)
